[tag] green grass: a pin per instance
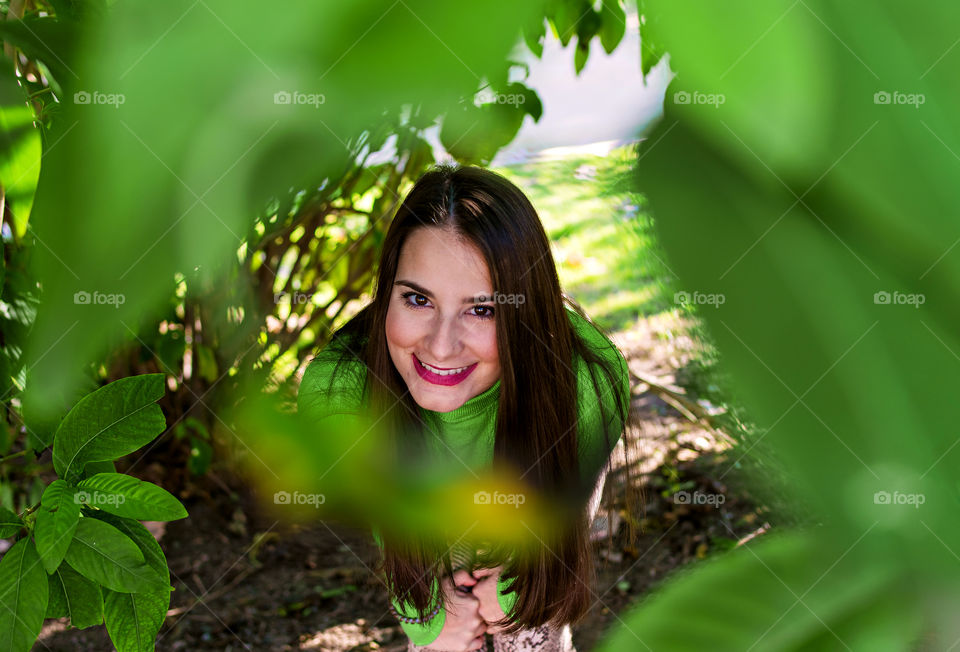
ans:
(603, 241)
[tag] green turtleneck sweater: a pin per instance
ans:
(468, 431)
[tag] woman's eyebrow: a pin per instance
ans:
(480, 298)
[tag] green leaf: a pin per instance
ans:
(651, 50)
(113, 421)
(614, 25)
(46, 39)
(23, 597)
(125, 495)
(206, 363)
(141, 536)
(94, 468)
(200, 455)
(534, 37)
(56, 522)
(102, 553)
(10, 523)
(20, 151)
(75, 597)
(786, 592)
(580, 55)
(133, 619)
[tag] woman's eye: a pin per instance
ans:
(415, 299)
(484, 312)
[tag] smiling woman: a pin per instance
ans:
(444, 344)
(470, 350)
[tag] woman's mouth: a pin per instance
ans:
(441, 376)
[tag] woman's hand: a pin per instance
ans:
(463, 628)
(485, 590)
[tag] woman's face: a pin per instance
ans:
(441, 338)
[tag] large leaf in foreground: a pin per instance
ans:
(103, 554)
(786, 592)
(75, 597)
(133, 619)
(23, 597)
(56, 522)
(113, 421)
(125, 495)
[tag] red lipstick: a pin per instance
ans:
(437, 379)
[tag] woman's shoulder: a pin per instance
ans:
(603, 393)
(601, 348)
(333, 381)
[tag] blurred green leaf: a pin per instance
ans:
(10, 523)
(739, 601)
(20, 151)
(614, 25)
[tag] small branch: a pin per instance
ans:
(13, 455)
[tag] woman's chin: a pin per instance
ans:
(437, 398)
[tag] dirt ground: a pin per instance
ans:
(246, 582)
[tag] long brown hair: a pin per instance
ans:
(536, 428)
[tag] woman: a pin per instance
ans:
(469, 350)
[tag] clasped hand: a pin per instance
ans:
(472, 607)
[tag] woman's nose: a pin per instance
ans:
(444, 341)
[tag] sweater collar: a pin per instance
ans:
(480, 403)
